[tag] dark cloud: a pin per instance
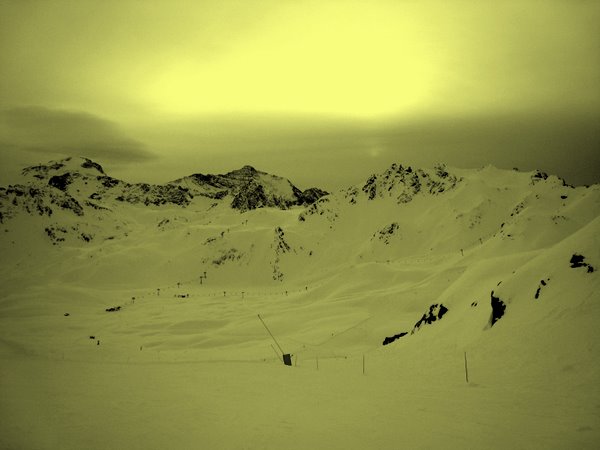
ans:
(76, 133)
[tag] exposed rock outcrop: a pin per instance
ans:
(250, 189)
(404, 183)
(498, 309)
(578, 261)
(311, 195)
(61, 181)
(387, 232)
(389, 340)
(436, 312)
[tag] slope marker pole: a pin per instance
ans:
(278, 357)
(274, 340)
(466, 368)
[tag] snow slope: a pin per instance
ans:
(185, 362)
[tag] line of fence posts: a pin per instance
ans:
(287, 361)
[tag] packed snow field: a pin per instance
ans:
(129, 313)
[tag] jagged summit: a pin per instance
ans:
(405, 182)
(250, 189)
(246, 170)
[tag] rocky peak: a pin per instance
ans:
(405, 182)
(89, 164)
(75, 166)
(249, 170)
(311, 195)
(244, 175)
(250, 189)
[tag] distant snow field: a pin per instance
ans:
(129, 312)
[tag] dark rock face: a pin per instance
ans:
(61, 181)
(70, 203)
(56, 234)
(108, 182)
(311, 195)
(539, 289)
(281, 246)
(41, 171)
(230, 255)
(435, 312)
(154, 194)
(498, 309)
(251, 197)
(89, 164)
(386, 233)
(250, 189)
(389, 340)
(538, 176)
(405, 182)
(33, 200)
(578, 261)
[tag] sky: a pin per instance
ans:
(322, 92)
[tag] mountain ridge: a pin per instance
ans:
(399, 213)
(77, 184)
(250, 189)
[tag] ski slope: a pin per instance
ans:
(185, 362)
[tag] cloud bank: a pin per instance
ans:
(73, 133)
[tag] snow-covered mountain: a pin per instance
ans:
(84, 182)
(80, 187)
(250, 189)
(414, 268)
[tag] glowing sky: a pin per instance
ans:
(198, 79)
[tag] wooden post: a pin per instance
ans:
(466, 368)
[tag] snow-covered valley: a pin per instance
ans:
(129, 313)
